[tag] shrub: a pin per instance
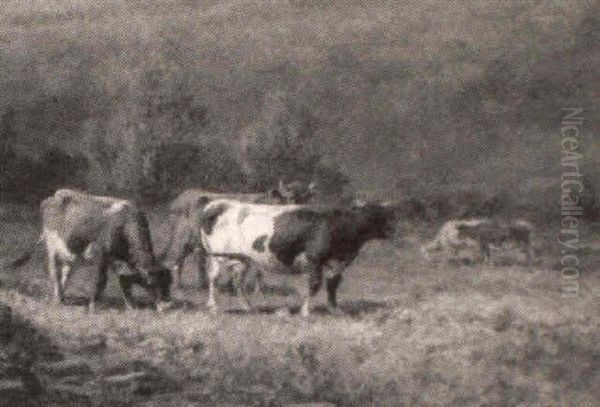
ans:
(175, 167)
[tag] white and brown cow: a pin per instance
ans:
(449, 241)
(324, 241)
(80, 228)
(184, 236)
(499, 232)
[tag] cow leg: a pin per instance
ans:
(484, 247)
(240, 273)
(179, 263)
(202, 273)
(314, 284)
(126, 282)
(213, 273)
(528, 252)
(333, 283)
(259, 283)
(333, 278)
(55, 277)
(177, 270)
(66, 274)
(101, 278)
(452, 250)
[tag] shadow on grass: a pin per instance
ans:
(350, 308)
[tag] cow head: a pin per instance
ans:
(158, 285)
(296, 192)
(382, 220)
(156, 277)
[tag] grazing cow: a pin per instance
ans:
(184, 236)
(79, 228)
(240, 235)
(448, 239)
(498, 233)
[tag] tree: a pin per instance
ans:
(281, 143)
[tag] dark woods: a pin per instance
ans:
(459, 125)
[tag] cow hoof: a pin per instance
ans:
(305, 312)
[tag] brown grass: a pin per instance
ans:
(413, 334)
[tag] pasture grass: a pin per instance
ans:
(413, 334)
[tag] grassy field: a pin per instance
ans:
(413, 334)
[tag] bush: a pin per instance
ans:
(282, 144)
(178, 166)
(26, 179)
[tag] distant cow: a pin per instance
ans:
(242, 235)
(79, 228)
(498, 233)
(184, 236)
(448, 239)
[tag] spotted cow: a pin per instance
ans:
(322, 241)
(184, 236)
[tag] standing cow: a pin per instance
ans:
(240, 235)
(79, 228)
(184, 236)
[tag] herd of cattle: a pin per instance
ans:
(234, 233)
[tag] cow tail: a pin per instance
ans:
(25, 257)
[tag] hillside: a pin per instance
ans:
(399, 92)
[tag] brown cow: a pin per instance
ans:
(80, 228)
(497, 233)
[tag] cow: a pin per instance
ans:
(241, 235)
(79, 228)
(184, 237)
(448, 239)
(496, 232)
(294, 192)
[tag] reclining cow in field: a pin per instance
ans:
(241, 235)
(449, 241)
(482, 233)
(79, 228)
(498, 233)
(184, 236)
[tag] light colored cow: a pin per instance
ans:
(79, 228)
(448, 239)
